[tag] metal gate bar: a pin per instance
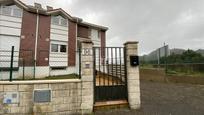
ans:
(109, 73)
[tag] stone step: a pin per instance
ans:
(108, 105)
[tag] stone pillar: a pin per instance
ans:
(133, 82)
(87, 77)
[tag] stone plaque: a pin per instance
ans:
(42, 96)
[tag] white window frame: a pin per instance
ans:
(60, 18)
(12, 7)
(59, 45)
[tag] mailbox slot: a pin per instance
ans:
(134, 60)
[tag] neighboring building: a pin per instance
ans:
(156, 54)
(177, 51)
(48, 36)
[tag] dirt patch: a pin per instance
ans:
(166, 99)
(158, 75)
(170, 98)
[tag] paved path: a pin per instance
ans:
(167, 99)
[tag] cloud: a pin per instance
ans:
(179, 23)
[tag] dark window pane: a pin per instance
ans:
(63, 48)
(54, 48)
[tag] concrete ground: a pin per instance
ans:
(166, 99)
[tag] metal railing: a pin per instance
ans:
(16, 64)
(191, 69)
(20, 64)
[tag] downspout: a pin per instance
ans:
(77, 50)
(36, 42)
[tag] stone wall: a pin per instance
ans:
(69, 96)
(133, 81)
(65, 97)
(87, 77)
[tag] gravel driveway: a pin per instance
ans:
(166, 99)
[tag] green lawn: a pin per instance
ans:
(68, 76)
(179, 73)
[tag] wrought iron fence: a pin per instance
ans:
(16, 64)
(21, 65)
(183, 68)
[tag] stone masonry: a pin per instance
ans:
(69, 96)
(65, 97)
(87, 77)
(133, 81)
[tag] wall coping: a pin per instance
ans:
(131, 42)
(87, 41)
(40, 81)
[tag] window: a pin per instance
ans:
(54, 48)
(55, 20)
(58, 48)
(58, 20)
(58, 68)
(63, 48)
(6, 10)
(17, 13)
(63, 22)
(11, 10)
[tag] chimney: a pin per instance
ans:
(49, 8)
(38, 6)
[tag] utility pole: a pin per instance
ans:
(158, 55)
(165, 60)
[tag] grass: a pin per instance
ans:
(175, 72)
(68, 76)
(179, 73)
(146, 66)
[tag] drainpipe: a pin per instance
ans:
(36, 42)
(77, 51)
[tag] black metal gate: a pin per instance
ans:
(110, 82)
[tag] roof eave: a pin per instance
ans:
(56, 11)
(21, 4)
(94, 26)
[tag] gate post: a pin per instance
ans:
(87, 77)
(133, 81)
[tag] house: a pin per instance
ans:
(45, 40)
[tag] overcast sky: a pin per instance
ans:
(179, 23)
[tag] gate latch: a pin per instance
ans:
(134, 60)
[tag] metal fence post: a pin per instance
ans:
(23, 69)
(165, 60)
(11, 64)
(34, 69)
(79, 51)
